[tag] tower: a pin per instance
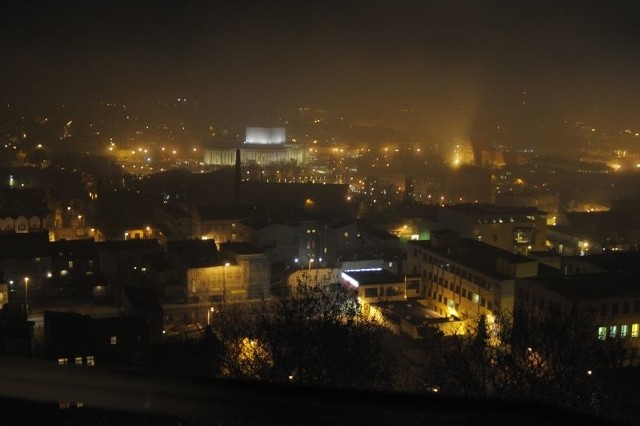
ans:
(238, 175)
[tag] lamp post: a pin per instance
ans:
(26, 296)
(224, 282)
(209, 312)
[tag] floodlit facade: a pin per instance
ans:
(262, 145)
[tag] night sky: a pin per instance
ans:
(452, 59)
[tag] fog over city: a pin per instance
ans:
(462, 66)
(319, 211)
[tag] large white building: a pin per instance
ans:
(262, 145)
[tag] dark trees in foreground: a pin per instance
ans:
(553, 358)
(316, 336)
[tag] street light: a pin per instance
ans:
(26, 296)
(209, 312)
(224, 282)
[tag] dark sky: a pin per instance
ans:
(457, 56)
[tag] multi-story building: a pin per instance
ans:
(514, 229)
(239, 272)
(222, 223)
(25, 261)
(175, 222)
(464, 277)
(251, 274)
(125, 263)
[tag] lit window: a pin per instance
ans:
(624, 330)
(114, 340)
(602, 333)
(63, 361)
(91, 361)
(634, 330)
(613, 331)
(78, 360)
(71, 264)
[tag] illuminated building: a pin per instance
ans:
(463, 277)
(253, 270)
(262, 145)
(375, 285)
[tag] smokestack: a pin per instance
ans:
(238, 175)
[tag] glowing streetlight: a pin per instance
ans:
(26, 296)
(209, 312)
(224, 282)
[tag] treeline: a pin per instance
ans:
(319, 337)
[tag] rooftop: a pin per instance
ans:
(374, 276)
(473, 254)
(241, 248)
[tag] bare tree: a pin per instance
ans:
(316, 336)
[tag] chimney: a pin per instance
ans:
(238, 178)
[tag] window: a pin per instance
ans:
(114, 340)
(464, 292)
(603, 309)
(614, 308)
(476, 298)
(78, 360)
(613, 331)
(602, 333)
(71, 264)
(625, 308)
(63, 361)
(636, 306)
(371, 292)
(91, 361)
(634, 330)
(392, 291)
(624, 330)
